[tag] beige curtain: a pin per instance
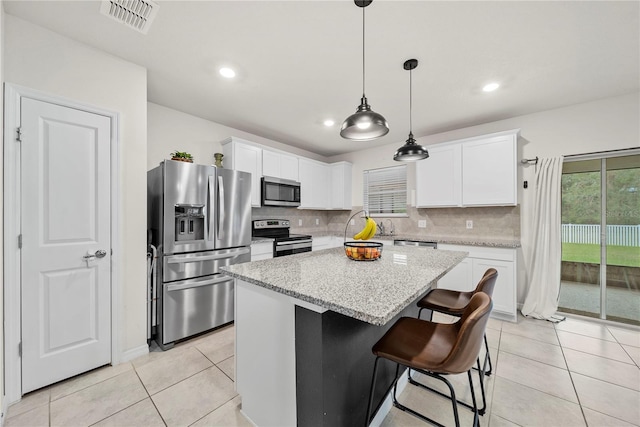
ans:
(545, 254)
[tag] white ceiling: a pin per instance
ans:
(299, 62)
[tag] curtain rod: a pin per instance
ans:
(609, 153)
(527, 161)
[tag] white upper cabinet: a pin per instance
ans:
(241, 155)
(489, 171)
(439, 177)
(322, 185)
(340, 194)
(480, 171)
(314, 188)
(279, 165)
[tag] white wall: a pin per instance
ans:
(170, 130)
(607, 124)
(40, 59)
(2, 400)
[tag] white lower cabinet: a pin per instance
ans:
(320, 243)
(459, 278)
(384, 243)
(466, 275)
(504, 293)
(261, 250)
(326, 242)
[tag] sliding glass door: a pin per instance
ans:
(601, 238)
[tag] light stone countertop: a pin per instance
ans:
(261, 240)
(452, 240)
(371, 291)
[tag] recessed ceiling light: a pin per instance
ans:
(491, 87)
(227, 72)
(329, 123)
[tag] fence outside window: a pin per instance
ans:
(617, 235)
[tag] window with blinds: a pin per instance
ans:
(385, 191)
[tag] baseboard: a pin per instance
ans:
(388, 401)
(5, 408)
(134, 353)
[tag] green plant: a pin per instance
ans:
(181, 155)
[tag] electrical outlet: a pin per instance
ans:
(317, 221)
(469, 224)
(299, 222)
(422, 223)
(353, 222)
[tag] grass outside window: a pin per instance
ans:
(626, 256)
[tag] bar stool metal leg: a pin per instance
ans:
(373, 386)
(425, 418)
(487, 358)
(476, 419)
(481, 411)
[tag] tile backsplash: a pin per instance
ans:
(497, 222)
(301, 219)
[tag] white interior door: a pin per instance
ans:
(66, 242)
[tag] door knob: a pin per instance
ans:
(100, 253)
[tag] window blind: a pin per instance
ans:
(385, 191)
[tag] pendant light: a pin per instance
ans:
(410, 151)
(365, 124)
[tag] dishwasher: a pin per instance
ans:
(420, 243)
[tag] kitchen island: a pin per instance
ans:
(305, 325)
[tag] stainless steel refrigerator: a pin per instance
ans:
(199, 218)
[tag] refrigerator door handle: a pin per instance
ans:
(191, 285)
(211, 212)
(220, 207)
(231, 254)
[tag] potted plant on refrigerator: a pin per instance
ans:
(182, 156)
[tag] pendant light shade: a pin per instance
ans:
(411, 150)
(365, 124)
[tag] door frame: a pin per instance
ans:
(602, 156)
(13, 94)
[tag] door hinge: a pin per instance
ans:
(19, 241)
(19, 134)
(20, 349)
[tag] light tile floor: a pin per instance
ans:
(574, 373)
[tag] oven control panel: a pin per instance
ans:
(271, 223)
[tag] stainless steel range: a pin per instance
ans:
(284, 243)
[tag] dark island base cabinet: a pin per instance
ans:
(334, 365)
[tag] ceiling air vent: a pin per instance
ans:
(137, 14)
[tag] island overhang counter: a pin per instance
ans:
(305, 325)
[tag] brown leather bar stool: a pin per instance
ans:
(453, 303)
(435, 350)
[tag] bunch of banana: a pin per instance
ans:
(368, 231)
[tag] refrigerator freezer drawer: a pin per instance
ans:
(194, 306)
(185, 266)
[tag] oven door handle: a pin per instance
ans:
(294, 246)
(193, 284)
(294, 242)
(198, 258)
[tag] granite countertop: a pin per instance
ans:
(371, 291)
(452, 240)
(261, 240)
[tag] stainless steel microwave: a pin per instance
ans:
(280, 192)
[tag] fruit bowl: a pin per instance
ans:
(363, 251)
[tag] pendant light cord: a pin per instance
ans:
(363, 38)
(411, 101)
